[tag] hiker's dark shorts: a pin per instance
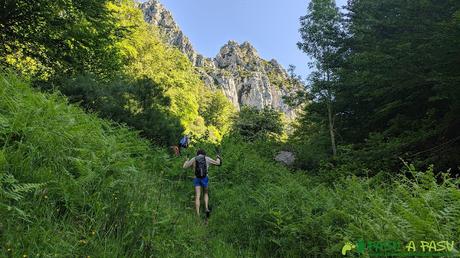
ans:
(203, 182)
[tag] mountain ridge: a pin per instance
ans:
(238, 70)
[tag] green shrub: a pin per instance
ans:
(253, 123)
(139, 103)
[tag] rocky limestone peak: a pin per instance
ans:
(233, 54)
(237, 70)
(276, 66)
(249, 49)
(156, 14)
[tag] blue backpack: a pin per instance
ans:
(184, 142)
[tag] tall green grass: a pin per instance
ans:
(274, 212)
(73, 185)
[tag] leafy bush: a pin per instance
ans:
(253, 123)
(141, 104)
(311, 142)
(217, 111)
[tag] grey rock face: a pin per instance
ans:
(244, 77)
(157, 15)
(286, 157)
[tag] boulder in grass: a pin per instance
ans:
(285, 157)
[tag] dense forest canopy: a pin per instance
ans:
(386, 82)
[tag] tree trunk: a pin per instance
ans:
(329, 115)
(331, 129)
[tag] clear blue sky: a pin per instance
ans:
(271, 26)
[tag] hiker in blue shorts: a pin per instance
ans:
(200, 164)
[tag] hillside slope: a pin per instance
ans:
(72, 184)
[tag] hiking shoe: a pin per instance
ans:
(208, 213)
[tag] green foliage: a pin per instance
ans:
(273, 212)
(99, 54)
(310, 140)
(320, 31)
(141, 104)
(322, 35)
(217, 111)
(148, 57)
(116, 65)
(277, 80)
(52, 39)
(253, 123)
(82, 186)
(387, 76)
(11, 193)
(403, 80)
(297, 94)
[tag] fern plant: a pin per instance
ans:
(12, 193)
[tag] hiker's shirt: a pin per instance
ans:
(192, 162)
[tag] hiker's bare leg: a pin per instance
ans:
(206, 198)
(197, 199)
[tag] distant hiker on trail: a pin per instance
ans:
(200, 164)
(175, 150)
(183, 143)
